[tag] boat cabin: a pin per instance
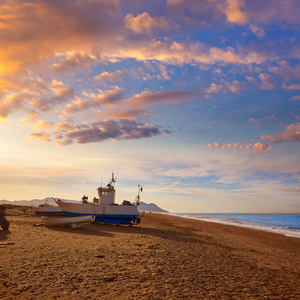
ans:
(106, 195)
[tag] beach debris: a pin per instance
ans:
(4, 244)
(100, 256)
(38, 224)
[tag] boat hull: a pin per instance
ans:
(111, 214)
(67, 221)
(48, 211)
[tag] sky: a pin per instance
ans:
(197, 101)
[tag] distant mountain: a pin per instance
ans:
(34, 202)
(150, 207)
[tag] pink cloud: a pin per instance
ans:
(111, 77)
(251, 120)
(235, 86)
(257, 146)
(295, 98)
(123, 114)
(81, 62)
(258, 31)
(234, 13)
(104, 98)
(287, 72)
(144, 23)
(291, 134)
(272, 118)
(291, 87)
(266, 82)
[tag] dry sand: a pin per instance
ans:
(165, 257)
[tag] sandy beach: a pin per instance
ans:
(165, 257)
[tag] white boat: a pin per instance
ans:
(47, 209)
(103, 208)
(73, 222)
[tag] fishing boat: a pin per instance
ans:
(104, 208)
(47, 210)
(73, 222)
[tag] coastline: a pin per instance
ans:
(207, 217)
(165, 257)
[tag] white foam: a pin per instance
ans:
(279, 230)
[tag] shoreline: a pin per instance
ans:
(281, 231)
(165, 257)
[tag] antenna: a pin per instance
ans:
(117, 173)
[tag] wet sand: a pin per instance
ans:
(165, 257)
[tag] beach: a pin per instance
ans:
(164, 257)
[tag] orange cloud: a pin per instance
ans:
(39, 30)
(257, 146)
(144, 23)
(43, 136)
(234, 13)
(258, 31)
(291, 134)
(291, 87)
(266, 82)
(235, 86)
(111, 77)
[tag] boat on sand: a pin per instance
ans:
(72, 222)
(104, 208)
(47, 210)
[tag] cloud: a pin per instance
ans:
(291, 87)
(111, 77)
(287, 72)
(106, 97)
(41, 29)
(291, 134)
(144, 23)
(107, 129)
(295, 98)
(148, 97)
(272, 118)
(214, 88)
(123, 114)
(251, 120)
(241, 12)
(235, 86)
(257, 146)
(81, 62)
(258, 31)
(234, 13)
(266, 82)
(12, 103)
(43, 136)
(163, 72)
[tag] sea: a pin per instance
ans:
(285, 224)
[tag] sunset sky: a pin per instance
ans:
(197, 101)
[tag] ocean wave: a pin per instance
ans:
(283, 224)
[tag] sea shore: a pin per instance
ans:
(165, 257)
